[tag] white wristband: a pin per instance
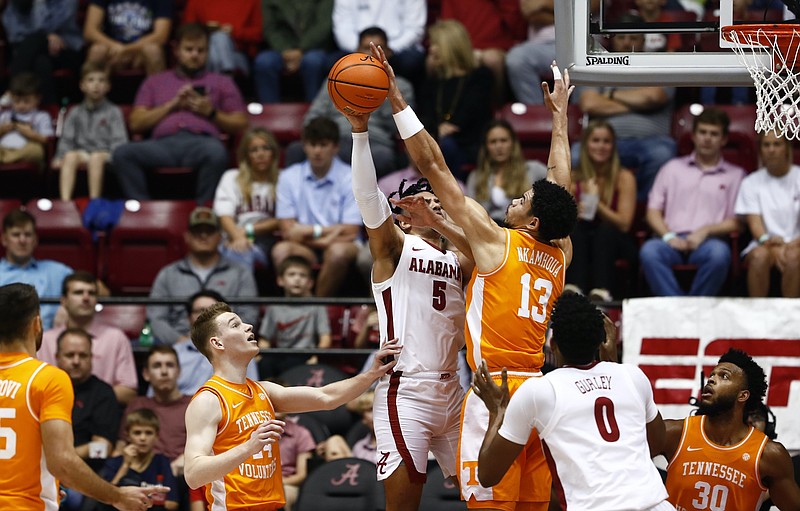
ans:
(668, 236)
(408, 124)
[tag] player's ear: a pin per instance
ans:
(216, 343)
(743, 396)
(534, 224)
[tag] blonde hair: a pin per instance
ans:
(610, 172)
(245, 177)
(454, 47)
(515, 173)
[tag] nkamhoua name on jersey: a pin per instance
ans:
(541, 259)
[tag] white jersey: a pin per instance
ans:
(422, 304)
(592, 422)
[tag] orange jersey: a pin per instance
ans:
(257, 484)
(703, 475)
(509, 307)
(31, 392)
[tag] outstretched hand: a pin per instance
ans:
(494, 397)
(558, 100)
(608, 348)
(386, 357)
(417, 212)
(379, 54)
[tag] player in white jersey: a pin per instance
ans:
(419, 292)
(598, 422)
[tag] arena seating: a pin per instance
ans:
(534, 126)
(324, 488)
(62, 236)
(145, 241)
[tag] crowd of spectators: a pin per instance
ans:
(286, 212)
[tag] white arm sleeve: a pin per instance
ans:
(371, 201)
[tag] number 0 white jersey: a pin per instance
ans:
(422, 304)
(592, 422)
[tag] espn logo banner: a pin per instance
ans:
(673, 339)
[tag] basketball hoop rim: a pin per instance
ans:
(764, 34)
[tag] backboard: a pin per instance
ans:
(583, 44)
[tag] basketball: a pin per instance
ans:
(358, 84)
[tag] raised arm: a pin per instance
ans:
(385, 238)
(559, 167)
(428, 158)
(308, 399)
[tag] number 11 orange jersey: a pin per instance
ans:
(508, 308)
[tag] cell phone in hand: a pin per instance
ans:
(200, 89)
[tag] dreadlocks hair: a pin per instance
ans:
(756, 379)
(421, 185)
(578, 328)
(555, 208)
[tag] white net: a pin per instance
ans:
(778, 86)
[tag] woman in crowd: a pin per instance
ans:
(455, 102)
(501, 173)
(245, 199)
(606, 195)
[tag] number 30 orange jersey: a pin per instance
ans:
(509, 307)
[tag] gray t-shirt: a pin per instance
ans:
(642, 124)
(294, 326)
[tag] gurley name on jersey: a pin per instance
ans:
(719, 470)
(436, 268)
(541, 259)
(594, 383)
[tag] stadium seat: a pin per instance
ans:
(284, 120)
(338, 420)
(347, 484)
(145, 241)
(534, 127)
(440, 494)
(128, 318)
(312, 375)
(741, 147)
(62, 236)
(318, 430)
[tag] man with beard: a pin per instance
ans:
(36, 442)
(185, 109)
(716, 461)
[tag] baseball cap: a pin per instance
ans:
(203, 216)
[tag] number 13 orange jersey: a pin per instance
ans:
(509, 307)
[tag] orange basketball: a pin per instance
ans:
(358, 83)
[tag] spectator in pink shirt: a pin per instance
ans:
(184, 110)
(691, 210)
(112, 356)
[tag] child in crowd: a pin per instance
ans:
(139, 465)
(24, 129)
(291, 325)
(91, 131)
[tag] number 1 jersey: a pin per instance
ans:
(509, 307)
